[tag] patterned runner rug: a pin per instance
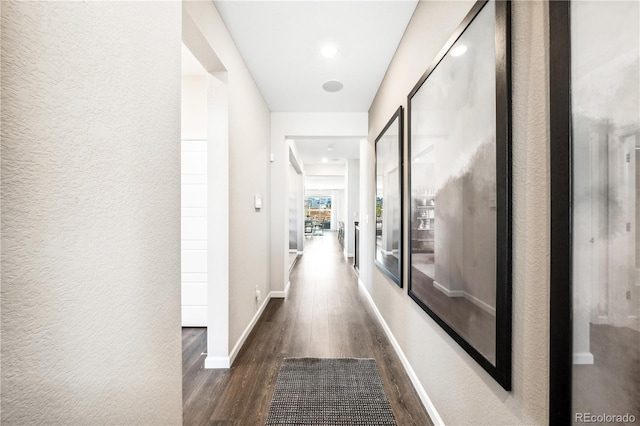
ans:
(329, 392)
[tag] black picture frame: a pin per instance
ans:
(561, 327)
(387, 264)
(500, 367)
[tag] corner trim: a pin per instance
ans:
(428, 404)
(281, 294)
(217, 362)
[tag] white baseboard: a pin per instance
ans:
(471, 298)
(247, 331)
(583, 358)
(483, 305)
(227, 362)
(426, 401)
(281, 294)
(217, 362)
(445, 290)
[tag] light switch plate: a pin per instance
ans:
(257, 202)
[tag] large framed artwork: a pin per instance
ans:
(388, 224)
(459, 119)
(594, 327)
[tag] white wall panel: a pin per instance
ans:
(194, 163)
(194, 206)
(194, 228)
(194, 261)
(194, 277)
(194, 316)
(194, 195)
(194, 294)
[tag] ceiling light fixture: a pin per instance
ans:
(324, 159)
(332, 86)
(458, 50)
(329, 51)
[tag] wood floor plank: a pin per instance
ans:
(324, 315)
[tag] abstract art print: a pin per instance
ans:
(459, 215)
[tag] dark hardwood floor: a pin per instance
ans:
(324, 316)
(611, 384)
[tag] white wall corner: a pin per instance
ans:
(426, 401)
(246, 332)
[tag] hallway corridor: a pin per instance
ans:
(324, 316)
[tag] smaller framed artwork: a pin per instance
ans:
(388, 223)
(459, 144)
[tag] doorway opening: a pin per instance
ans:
(205, 193)
(331, 187)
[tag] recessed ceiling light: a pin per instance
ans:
(417, 160)
(458, 50)
(329, 51)
(332, 86)
(324, 159)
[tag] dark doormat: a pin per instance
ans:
(328, 392)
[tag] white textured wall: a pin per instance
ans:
(249, 140)
(462, 392)
(91, 213)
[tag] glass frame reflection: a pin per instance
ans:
(389, 198)
(459, 218)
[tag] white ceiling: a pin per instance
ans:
(313, 150)
(280, 42)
